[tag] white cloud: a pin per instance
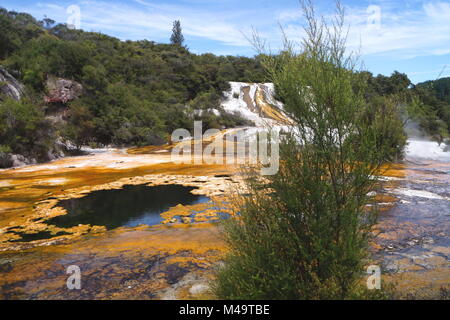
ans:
(405, 31)
(154, 21)
(438, 12)
(289, 15)
(50, 6)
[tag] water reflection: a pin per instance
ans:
(128, 207)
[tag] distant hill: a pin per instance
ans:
(440, 88)
(435, 98)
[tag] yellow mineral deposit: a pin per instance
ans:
(172, 260)
(269, 111)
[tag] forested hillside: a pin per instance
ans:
(134, 92)
(138, 92)
(435, 99)
(426, 104)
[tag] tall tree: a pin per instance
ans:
(177, 36)
(47, 22)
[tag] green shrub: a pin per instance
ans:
(23, 129)
(303, 233)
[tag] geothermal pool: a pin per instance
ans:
(131, 206)
(136, 257)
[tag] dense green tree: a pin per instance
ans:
(24, 130)
(80, 128)
(177, 37)
(440, 88)
(17, 29)
(434, 97)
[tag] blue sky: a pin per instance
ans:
(410, 36)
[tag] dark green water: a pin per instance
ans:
(128, 207)
(26, 237)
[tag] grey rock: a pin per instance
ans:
(19, 160)
(9, 85)
(8, 160)
(62, 90)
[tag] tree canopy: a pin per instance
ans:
(177, 37)
(135, 92)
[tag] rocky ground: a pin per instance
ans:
(176, 259)
(172, 260)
